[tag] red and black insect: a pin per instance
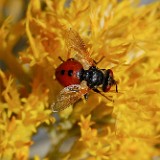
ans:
(79, 75)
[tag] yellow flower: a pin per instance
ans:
(126, 34)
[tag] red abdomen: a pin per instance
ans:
(69, 72)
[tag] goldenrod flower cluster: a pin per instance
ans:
(126, 34)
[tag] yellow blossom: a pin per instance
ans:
(126, 34)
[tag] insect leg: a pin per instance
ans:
(97, 91)
(86, 96)
(96, 62)
(60, 58)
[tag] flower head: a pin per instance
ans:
(127, 35)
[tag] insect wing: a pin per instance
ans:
(68, 96)
(75, 42)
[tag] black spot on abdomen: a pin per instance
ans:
(62, 72)
(70, 73)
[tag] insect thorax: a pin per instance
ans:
(93, 76)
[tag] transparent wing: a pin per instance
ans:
(68, 96)
(75, 42)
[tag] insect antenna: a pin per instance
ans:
(116, 88)
(115, 83)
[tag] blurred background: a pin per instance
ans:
(17, 10)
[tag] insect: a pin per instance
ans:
(79, 74)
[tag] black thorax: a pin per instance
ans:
(93, 76)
